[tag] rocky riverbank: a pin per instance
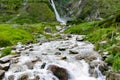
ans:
(70, 59)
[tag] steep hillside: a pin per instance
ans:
(29, 11)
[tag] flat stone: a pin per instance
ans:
(73, 52)
(7, 58)
(58, 53)
(80, 38)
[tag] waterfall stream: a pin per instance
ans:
(35, 59)
(59, 19)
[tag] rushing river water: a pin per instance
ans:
(34, 61)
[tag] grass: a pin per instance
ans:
(83, 28)
(11, 35)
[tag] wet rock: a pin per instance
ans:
(73, 52)
(11, 77)
(14, 60)
(7, 58)
(93, 73)
(92, 57)
(103, 68)
(93, 64)
(80, 38)
(48, 29)
(5, 66)
(36, 60)
(62, 48)
(30, 65)
(113, 75)
(43, 65)
(2, 72)
(63, 58)
(36, 78)
(58, 53)
(69, 35)
(13, 48)
(79, 57)
(23, 77)
(31, 49)
(59, 72)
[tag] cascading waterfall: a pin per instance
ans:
(35, 59)
(59, 19)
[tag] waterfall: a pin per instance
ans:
(59, 19)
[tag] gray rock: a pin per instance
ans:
(11, 77)
(58, 28)
(7, 58)
(58, 53)
(80, 38)
(30, 65)
(5, 66)
(93, 73)
(2, 72)
(62, 48)
(73, 52)
(63, 58)
(23, 77)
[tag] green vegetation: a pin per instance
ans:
(5, 52)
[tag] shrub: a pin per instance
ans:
(4, 43)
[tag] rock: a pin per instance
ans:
(29, 41)
(2, 72)
(59, 72)
(92, 57)
(36, 60)
(57, 53)
(48, 29)
(5, 66)
(11, 77)
(62, 48)
(63, 58)
(31, 49)
(43, 65)
(23, 77)
(69, 35)
(103, 68)
(93, 73)
(7, 58)
(42, 40)
(35, 78)
(113, 75)
(13, 48)
(79, 57)
(73, 52)
(14, 60)
(30, 65)
(79, 38)
(58, 28)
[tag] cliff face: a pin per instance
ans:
(87, 9)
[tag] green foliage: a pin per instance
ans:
(83, 28)
(11, 35)
(116, 64)
(4, 43)
(5, 52)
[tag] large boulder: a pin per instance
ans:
(59, 72)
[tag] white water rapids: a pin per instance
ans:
(77, 69)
